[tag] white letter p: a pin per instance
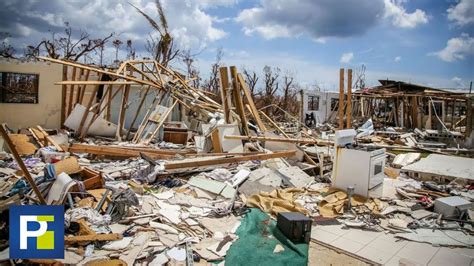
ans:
(24, 233)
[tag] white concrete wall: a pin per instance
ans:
(324, 111)
(47, 112)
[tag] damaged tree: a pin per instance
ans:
(67, 46)
(162, 49)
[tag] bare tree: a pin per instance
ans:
(360, 80)
(251, 79)
(288, 85)
(213, 82)
(130, 50)
(66, 46)
(270, 79)
(117, 43)
(161, 49)
(192, 72)
(100, 52)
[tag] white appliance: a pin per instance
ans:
(356, 167)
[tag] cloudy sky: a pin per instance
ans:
(419, 41)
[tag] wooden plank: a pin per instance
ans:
(98, 70)
(142, 101)
(226, 160)
(94, 82)
(216, 142)
(21, 164)
(71, 93)
(63, 97)
(274, 124)
(349, 98)
(86, 112)
(341, 98)
(50, 140)
(36, 137)
(288, 140)
(122, 151)
(91, 238)
(248, 95)
(162, 121)
(82, 90)
(237, 97)
(121, 119)
(224, 88)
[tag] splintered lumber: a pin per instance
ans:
(162, 121)
(21, 164)
(224, 86)
(125, 152)
(216, 142)
(91, 238)
(50, 140)
(98, 70)
(237, 97)
(71, 93)
(93, 82)
(226, 160)
(274, 124)
(349, 98)
(35, 136)
(288, 140)
(341, 98)
(253, 108)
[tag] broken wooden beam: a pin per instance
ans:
(349, 99)
(288, 140)
(274, 124)
(49, 139)
(341, 98)
(125, 152)
(253, 108)
(226, 160)
(91, 238)
(93, 82)
(21, 164)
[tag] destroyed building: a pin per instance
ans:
(153, 171)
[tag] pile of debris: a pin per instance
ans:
(202, 181)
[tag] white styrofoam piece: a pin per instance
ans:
(230, 145)
(100, 127)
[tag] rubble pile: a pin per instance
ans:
(201, 181)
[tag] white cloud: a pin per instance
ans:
(462, 13)
(188, 21)
(395, 11)
(459, 83)
(397, 59)
(347, 58)
(457, 49)
(315, 19)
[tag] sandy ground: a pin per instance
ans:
(321, 255)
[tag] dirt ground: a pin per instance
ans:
(321, 255)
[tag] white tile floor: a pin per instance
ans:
(386, 249)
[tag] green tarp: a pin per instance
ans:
(258, 236)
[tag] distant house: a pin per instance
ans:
(401, 104)
(321, 105)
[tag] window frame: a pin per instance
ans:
(3, 91)
(311, 103)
